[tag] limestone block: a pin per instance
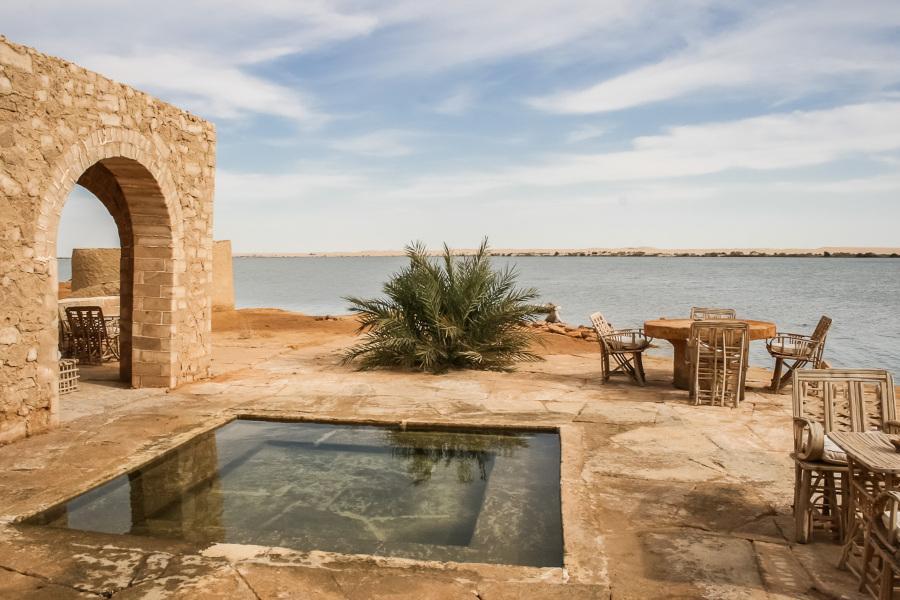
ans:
(222, 276)
(94, 267)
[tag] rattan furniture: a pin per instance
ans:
(705, 314)
(718, 356)
(624, 346)
(92, 340)
(881, 554)
(831, 403)
(796, 351)
(873, 469)
(677, 332)
(68, 375)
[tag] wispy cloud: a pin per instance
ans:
(211, 88)
(586, 132)
(234, 187)
(775, 142)
(387, 143)
(782, 53)
(201, 55)
(457, 103)
(434, 36)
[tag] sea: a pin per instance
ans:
(861, 295)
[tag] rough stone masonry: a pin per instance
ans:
(153, 166)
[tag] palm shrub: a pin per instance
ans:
(456, 312)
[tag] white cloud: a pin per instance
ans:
(588, 132)
(209, 87)
(387, 143)
(431, 36)
(774, 142)
(781, 53)
(456, 103)
(252, 189)
(197, 54)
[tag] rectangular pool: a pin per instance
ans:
(490, 496)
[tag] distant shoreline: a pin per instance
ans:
(826, 252)
(643, 251)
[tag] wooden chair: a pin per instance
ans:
(718, 354)
(706, 314)
(826, 401)
(65, 335)
(92, 340)
(624, 346)
(800, 349)
(880, 574)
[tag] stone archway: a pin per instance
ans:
(153, 166)
(126, 177)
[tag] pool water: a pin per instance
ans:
(448, 495)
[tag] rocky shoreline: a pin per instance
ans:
(582, 332)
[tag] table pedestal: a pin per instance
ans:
(682, 366)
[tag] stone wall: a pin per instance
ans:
(153, 166)
(95, 267)
(223, 276)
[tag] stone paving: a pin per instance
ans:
(661, 499)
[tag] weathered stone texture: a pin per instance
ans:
(94, 266)
(153, 166)
(223, 276)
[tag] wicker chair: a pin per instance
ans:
(706, 314)
(624, 346)
(825, 401)
(92, 340)
(718, 354)
(800, 349)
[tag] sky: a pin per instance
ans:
(362, 125)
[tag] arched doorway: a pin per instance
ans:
(150, 234)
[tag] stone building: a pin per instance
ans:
(152, 165)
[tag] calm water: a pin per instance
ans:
(466, 496)
(861, 295)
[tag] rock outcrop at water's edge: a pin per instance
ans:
(581, 332)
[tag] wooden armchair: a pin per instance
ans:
(825, 401)
(92, 340)
(800, 349)
(706, 314)
(624, 346)
(718, 354)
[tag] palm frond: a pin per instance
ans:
(457, 312)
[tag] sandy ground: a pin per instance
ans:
(294, 329)
(660, 498)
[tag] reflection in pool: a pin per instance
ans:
(460, 495)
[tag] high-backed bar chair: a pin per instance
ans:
(826, 400)
(624, 346)
(797, 350)
(706, 314)
(92, 340)
(718, 355)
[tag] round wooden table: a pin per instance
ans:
(677, 331)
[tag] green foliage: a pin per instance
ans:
(456, 312)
